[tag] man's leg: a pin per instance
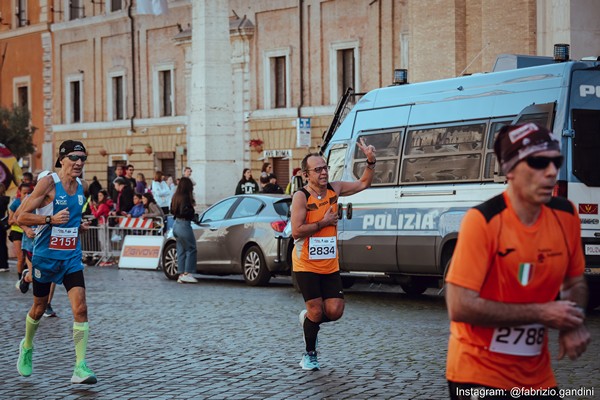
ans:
(75, 285)
(40, 299)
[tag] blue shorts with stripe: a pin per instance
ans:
(51, 270)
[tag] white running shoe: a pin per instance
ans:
(186, 278)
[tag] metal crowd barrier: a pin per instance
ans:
(104, 242)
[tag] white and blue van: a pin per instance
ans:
(435, 160)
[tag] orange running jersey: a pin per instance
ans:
(318, 255)
(506, 261)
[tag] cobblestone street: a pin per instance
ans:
(151, 338)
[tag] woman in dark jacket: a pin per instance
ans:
(4, 200)
(246, 185)
(182, 208)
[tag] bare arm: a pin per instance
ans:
(350, 188)
(37, 199)
(301, 229)
(573, 342)
(465, 305)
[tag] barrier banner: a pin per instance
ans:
(141, 252)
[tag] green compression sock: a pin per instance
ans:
(31, 326)
(80, 337)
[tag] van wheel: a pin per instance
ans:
(169, 260)
(254, 267)
(414, 287)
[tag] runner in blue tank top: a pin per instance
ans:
(59, 199)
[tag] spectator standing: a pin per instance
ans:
(16, 233)
(101, 210)
(124, 197)
(272, 186)
(187, 173)
(26, 179)
(246, 185)
(129, 169)
(138, 208)
(182, 207)
(94, 188)
(4, 200)
(161, 192)
(140, 183)
(296, 182)
(265, 171)
(517, 271)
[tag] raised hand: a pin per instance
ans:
(368, 150)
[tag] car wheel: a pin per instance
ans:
(254, 267)
(169, 260)
(414, 287)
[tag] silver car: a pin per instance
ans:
(239, 235)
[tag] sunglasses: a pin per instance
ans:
(543, 162)
(318, 170)
(74, 157)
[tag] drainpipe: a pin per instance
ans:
(133, 70)
(301, 57)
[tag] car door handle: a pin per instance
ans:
(213, 229)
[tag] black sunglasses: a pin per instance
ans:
(74, 157)
(543, 162)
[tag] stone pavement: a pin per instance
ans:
(151, 338)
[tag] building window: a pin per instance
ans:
(21, 13)
(344, 62)
(166, 94)
(277, 78)
(21, 87)
(116, 5)
(346, 68)
(279, 92)
(404, 50)
(23, 96)
(74, 99)
(164, 91)
(76, 9)
(116, 97)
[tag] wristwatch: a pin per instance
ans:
(371, 162)
(48, 220)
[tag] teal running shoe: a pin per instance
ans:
(82, 374)
(309, 361)
(25, 363)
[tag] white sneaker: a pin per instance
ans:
(186, 278)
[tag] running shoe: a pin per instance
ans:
(22, 284)
(82, 374)
(25, 363)
(49, 312)
(4, 269)
(309, 361)
(186, 278)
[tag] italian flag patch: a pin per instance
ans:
(525, 273)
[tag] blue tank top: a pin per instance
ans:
(61, 242)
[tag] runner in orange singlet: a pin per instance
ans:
(315, 260)
(515, 253)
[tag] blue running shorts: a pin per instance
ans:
(50, 270)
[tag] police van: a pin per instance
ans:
(435, 160)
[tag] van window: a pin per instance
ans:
(490, 157)
(387, 148)
(443, 153)
(337, 162)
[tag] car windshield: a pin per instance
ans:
(282, 207)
